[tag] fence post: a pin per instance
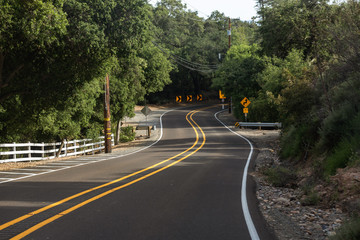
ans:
(74, 146)
(65, 147)
(43, 150)
(92, 148)
(54, 149)
(14, 149)
(84, 147)
(29, 149)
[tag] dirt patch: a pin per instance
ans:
(158, 107)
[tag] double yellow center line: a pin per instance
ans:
(189, 118)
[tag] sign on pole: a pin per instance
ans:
(146, 110)
(221, 95)
(189, 98)
(178, 99)
(245, 102)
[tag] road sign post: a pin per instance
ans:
(178, 99)
(146, 111)
(222, 97)
(189, 98)
(230, 104)
(245, 102)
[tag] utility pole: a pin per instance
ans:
(229, 34)
(107, 122)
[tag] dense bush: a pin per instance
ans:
(281, 176)
(348, 231)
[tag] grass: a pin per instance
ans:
(348, 231)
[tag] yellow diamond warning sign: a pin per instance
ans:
(245, 102)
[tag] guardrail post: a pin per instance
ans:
(84, 147)
(43, 150)
(74, 146)
(14, 149)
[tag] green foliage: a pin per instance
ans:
(348, 231)
(297, 141)
(264, 108)
(157, 70)
(299, 64)
(286, 90)
(281, 176)
(285, 25)
(237, 75)
(305, 74)
(53, 59)
(194, 44)
(311, 197)
(339, 157)
(127, 134)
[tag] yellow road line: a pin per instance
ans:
(34, 228)
(17, 220)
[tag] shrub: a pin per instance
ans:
(343, 154)
(348, 231)
(298, 141)
(281, 176)
(311, 197)
(127, 134)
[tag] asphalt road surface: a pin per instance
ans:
(187, 186)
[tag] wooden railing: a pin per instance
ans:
(18, 152)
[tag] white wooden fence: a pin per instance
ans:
(18, 152)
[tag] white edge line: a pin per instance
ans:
(250, 224)
(118, 156)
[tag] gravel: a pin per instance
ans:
(281, 206)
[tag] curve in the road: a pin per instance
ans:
(193, 124)
(252, 230)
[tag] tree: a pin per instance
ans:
(238, 73)
(285, 25)
(54, 55)
(28, 30)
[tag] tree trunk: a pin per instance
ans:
(60, 149)
(118, 132)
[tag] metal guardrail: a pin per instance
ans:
(258, 124)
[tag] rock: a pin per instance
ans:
(283, 201)
(281, 207)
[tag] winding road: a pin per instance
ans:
(191, 185)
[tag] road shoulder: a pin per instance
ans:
(281, 206)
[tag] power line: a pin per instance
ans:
(187, 64)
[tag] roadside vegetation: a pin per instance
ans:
(297, 62)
